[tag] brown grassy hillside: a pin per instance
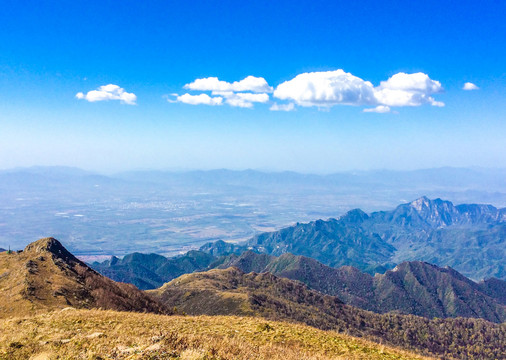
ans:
(231, 291)
(94, 334)
(414, 287)
(45, 276)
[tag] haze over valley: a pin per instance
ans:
(168, 213)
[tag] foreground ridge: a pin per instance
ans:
(46, 276)
(118, 335)
(232, 292)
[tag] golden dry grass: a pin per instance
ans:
(46, 277)
(98, 334)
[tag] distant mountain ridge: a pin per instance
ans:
(149, 271)
(469, 238)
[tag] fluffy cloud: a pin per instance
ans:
(108, 92)
(326, 89)
(250, 83)
(408, 90)
(242, 93)
(412, 82)
(201, 99)
(469, 86)
(378, 109)
(321, 89)
(282, 107)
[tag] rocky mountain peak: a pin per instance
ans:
(53, 247)
(420, 203)
(354, 216)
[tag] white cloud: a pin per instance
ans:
(408, 90)
(470, 86)
(378, 109)
(250, 83)
(412, 82)
(108, 92)
(282, 107)
(325, 89)
(201, 99)
(321, 89)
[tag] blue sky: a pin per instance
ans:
(51, 51)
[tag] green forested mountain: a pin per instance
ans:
(416, 287)
(495, 288)
(469, 238)
(149, 271)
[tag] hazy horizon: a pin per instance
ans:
(262, 170)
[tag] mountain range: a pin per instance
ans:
(356, 245)
(469, 238)
(415, 287)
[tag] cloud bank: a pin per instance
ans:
(330, 88)
(408, 90)
(108, 92)
(323, 89)
(243, 93)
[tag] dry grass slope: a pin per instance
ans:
(45, 276)
(232, 292)
(96, 334)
